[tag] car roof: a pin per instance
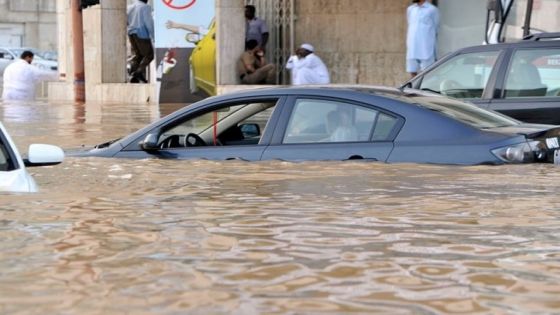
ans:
(384, 91)
(524, 43)
(332, 90)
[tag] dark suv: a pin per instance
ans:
(520, 79)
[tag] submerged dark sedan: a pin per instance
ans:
(338, 123)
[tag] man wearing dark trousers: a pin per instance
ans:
(141, 34)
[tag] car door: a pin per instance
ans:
(468, 75)
(229, 130)
(529, 90)
(313, 128)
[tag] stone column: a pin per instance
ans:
(105, 42)
(62, 90)
(64, 37)
(230, 39)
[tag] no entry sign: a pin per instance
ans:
(179, 4)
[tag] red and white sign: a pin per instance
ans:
(179, 4)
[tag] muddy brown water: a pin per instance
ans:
(113, 236)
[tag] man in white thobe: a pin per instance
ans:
(307, 68)
(423, 22)
(20, 78)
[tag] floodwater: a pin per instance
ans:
(108, 236)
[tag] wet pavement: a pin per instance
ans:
(108, 236)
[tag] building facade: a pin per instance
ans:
(28, 23)
(361, 41)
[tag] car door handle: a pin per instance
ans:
(360, 158)
(235, 159)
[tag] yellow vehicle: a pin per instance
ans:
(202, 62)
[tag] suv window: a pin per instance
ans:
(463, 76)
(534, 73)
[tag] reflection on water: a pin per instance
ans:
(151, 236)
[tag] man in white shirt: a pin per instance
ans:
(423, 22)
(307, 67)
(20, 78)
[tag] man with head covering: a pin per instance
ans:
(307, 67)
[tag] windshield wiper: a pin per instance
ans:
(430, 90)
(106, 144)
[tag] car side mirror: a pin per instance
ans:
(150, 142)
(43, 154)
(250, 130)
(495, 6)
(193, 38)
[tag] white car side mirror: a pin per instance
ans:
(44, 154)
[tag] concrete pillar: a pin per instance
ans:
(78, 51)
(105, 42)
(63, 89)
(230, 39)
(104, 56)
(64, 37)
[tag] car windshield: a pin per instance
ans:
(6, 163)
(464, 112)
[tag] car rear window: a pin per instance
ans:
(464, 112)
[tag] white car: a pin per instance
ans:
(13, 174)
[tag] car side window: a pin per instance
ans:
(533, 73)
(463, 76)
(324, 121)
(383, 127)
(232, 124)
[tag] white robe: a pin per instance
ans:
(423, 23)
(20, 78)
(309, 70)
